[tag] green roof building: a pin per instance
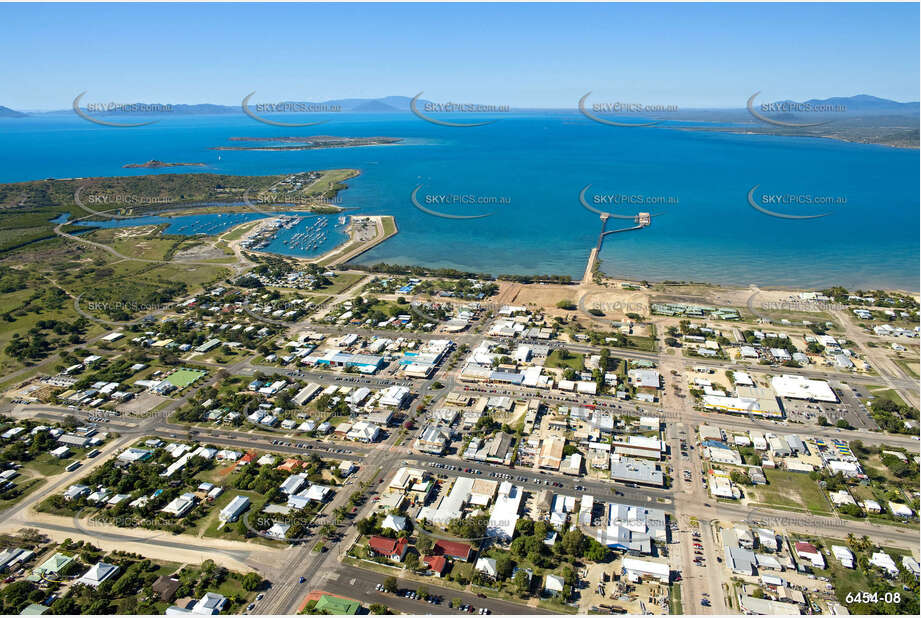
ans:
(337, 605)
(53, 565)
(34, 609)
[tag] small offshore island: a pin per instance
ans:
(156, 164)
(314, 142)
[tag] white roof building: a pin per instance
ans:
(885, 562)
(394, 396)
(363, 431)
(644, 378)
(911, 565)
(553, 583)
(843, 555)
(394, 522)
(767, 607)
(234, 509)
(504, 515)
(293, 483)
(799, 387)
(900, 510)
(97, 574)
(487, 566)
(452, 505)
(278, 530)
(180, 505)
(637, 570)
(842, 498)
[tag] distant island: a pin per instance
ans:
(862, 119)
(6, 112)
(155, 164)
(312, 142)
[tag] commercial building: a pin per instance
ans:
(636, 471)
(633, 528)
(551, 453)
(754, 401)
(394, 396)
(452, 505)
(799, 387)
(638, 446)
(433, 439)
(363, 431)
(638, 570)
(365, 363)
(766, 607)
(740, 560)
(504, 515)
(645, 379)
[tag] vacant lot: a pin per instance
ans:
(792, 491)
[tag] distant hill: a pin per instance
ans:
(6, 112)
(389, 104)
(864, 104)
(383, 104)
(205, 108)
(865, 119)
(374, 106)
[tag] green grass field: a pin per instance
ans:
(341, 282)
(574, 361)
(182, 378)
(792, 491)
(390, 226)
(887, 393)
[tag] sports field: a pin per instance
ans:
(183, 377)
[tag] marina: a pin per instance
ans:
(292, 234)
(296, 235)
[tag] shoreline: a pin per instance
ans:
(613, 280)
(834, 138)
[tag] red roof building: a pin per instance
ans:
(394, 549)
(436, 564)
(290, 464)
(452, 549)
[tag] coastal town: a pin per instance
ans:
(294, 439)
(505, 309)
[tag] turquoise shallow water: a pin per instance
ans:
(532, 167)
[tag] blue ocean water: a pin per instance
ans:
(531, 169)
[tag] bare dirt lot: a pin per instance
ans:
(142, 404)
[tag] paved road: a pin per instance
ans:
(360, 584)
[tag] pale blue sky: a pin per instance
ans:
(523, 55)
